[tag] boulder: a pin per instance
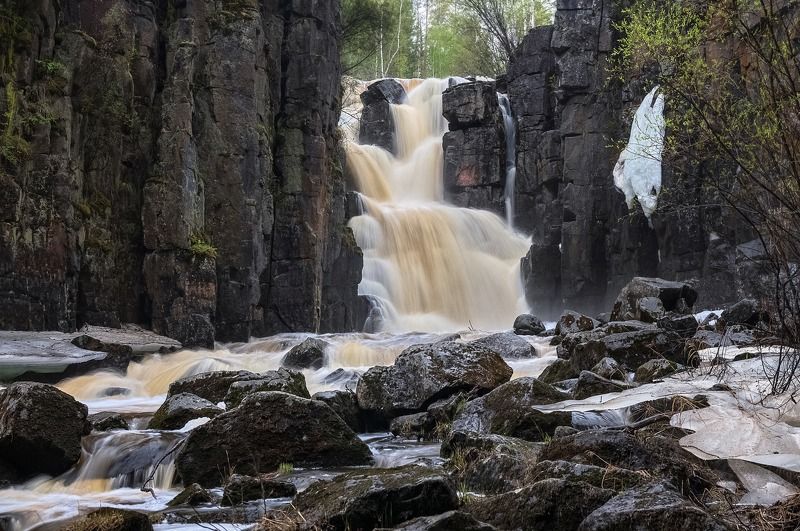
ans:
(683, 325)
(650, 309)
(510, 410)
(470, 105)
(507, 345)
(108, 519)
(630, 349)
(107, 421)
(376, 125)
(654, 370)
(616, 479)
(213, 386)
(610, 369)
(590, 384)
(502, 468)
(601, 448)
(743, 312)
(449, 521)
(419, 425)
(310, 354)
(422, 374)
(528, 325)
(465, 441)
(547, 505)
(283, 380)
(179, 409)
(557, 371)
(656, 506)
(678, 297)
(269, 428)
(240, 489)
(376, 498)
(344, 404)
(571, 322)
(41, 428)
(192, 496)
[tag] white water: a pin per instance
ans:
(511, 155)
(428, 265)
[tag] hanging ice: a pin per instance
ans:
(638, 170)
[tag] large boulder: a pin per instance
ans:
(449, 521)
(630, 349)
(179, 409)
(241, 489)
(683, 325)
(283, 380)
(744, 312)
(376, 498)
(40, 428)
(558, 371)
(510, 410)
(632, 303)
(345, 405)
(508, 345)
(572, 322)
(591, 384)
(528, 325)
(656, 506)
(213, 386)
(310, 354)
(422, 374)
(470, 105)
(547, 505)
(268, 429)
(108, 519)
(376, 125)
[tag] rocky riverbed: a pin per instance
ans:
(650, 417)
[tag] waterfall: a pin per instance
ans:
(511, 155)
(428, 265)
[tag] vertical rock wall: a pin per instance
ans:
(178, 166)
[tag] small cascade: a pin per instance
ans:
(511, 155)
(428, 265)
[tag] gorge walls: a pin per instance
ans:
(174, 164)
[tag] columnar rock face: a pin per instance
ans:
(176, 165)
(586, 244)
(474, 147)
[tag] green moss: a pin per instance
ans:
(13, 147)
(83, 207)
(200, 245)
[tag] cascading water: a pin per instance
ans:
(511, 155)
(428, 265)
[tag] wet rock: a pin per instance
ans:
(586, 355)
(631, 349)
(420, 425)
(240, 489)
(40, 428)
(706, 339)
(507, 345)
(379, 497)
(108, 519)
(557, 371)
(510, 410)
(107, 421)
(678, 297)
(213, 386)
(348, 379)
(601, 448)
(619, 327)
(616, 479)
(570, 341)
(422, 374)
(650, 309)
(654, 507)
(283, 380)
(443, 411)
(449, 521)
(528, 325)
(465, 441)
(572, 322)
(503, 468)
(590, 384)
(310, 354)
(192, 495)
(344, 404)
(548, 505)
(179, 409)
(683, 325)
(470, 105)
(270, 428)
(654, 370)
(610, 369)
(743, 312)
(564, 431)
(376, 125)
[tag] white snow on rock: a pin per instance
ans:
(638, 170)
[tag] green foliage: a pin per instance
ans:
(200, 245)
(285, 469)
(13, 147)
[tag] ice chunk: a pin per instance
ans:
(638, 170)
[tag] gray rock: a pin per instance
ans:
(108, 420)
(192, 496)
(109, 519)
(677, 297)
(743, 312)
(449, 521)
(590, 384)
(684, 325)
(609, 368)
(507, 345)
(376, 125)
(419, 425)
(557, 371)
(653, 507)
(310, 354)
(40, 428)
(572, 322)
(616, 479)
(470, 105)
(654, 370)
(241, 489)
(283, 380)
(422, 374)
(179, 409)
(650, 309)
(270, 428)
(528, 325)
(345, 405)
(213, 386)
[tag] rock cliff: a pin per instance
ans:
(174, 164)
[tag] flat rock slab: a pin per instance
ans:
(52, 356)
